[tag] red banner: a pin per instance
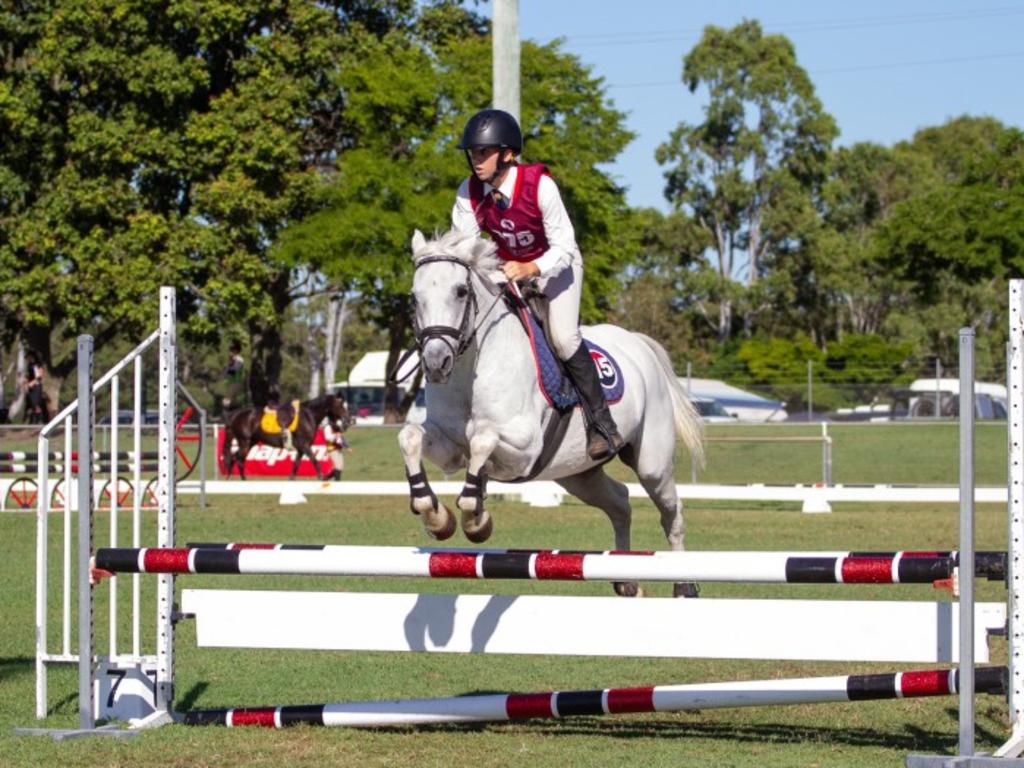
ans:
(268, 461)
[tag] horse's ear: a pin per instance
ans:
(419, 242)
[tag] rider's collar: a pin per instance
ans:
(508, 186)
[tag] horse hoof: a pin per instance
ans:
(446, 530)
(477, 534)
(686, 589)
(628, 589)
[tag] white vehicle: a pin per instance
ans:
(712, 411)
(738, 403)
(989, 399)
(363, 390)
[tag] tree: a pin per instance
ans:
(955, 244)
(660, 295)
(163, 142)
(749, 171)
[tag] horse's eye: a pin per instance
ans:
(461, 291)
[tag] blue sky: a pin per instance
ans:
(882, 69)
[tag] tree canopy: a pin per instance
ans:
(268, 157)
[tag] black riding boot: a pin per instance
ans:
(603, 438)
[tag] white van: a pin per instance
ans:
(363, 390)
(989, 399)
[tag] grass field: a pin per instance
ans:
(867, 734)
(901, 452)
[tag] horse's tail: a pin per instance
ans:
(689, 424)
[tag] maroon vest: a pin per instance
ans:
(519, 229)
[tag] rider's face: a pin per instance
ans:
(485, 161)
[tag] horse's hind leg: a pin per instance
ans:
(656, 476)
(438, 521)
(595, 488)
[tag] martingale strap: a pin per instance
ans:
(554, 433)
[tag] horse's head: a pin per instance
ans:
(337, 412)
(444, 302)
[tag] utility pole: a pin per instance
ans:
(505, 56)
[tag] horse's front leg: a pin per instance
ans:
(477, 523)
(438, 521)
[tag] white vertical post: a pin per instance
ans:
(1015, 519)
(42, 525)
(86, 671)
(69, 491)
(115, 397)
(505, 55)
(966, 542)
(137, 503)
(165, 498)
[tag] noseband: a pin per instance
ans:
(457, 339)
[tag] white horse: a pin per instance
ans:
(486, 413)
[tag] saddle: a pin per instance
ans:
(554, 383)
(273, 420)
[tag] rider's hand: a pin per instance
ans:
(520, 270)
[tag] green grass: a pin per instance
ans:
(865, 734)
(921, 452)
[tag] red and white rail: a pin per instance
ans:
(609, 701)
(910, 567)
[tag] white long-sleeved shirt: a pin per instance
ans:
(557, 227)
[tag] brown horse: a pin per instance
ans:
(244, 430)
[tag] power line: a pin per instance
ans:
(823, 25)
(857, 68)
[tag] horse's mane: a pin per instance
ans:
(476, 252)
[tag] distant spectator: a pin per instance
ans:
(336, 447)
(36, 412)
(234, 374)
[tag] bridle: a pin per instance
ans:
(457, 339)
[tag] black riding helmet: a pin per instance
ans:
(491, 128)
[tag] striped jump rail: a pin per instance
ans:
(609, 701)
(910, 567)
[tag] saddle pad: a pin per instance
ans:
(554, 384)
(270, 425)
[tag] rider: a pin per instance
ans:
(282, 414)
(521, 209)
